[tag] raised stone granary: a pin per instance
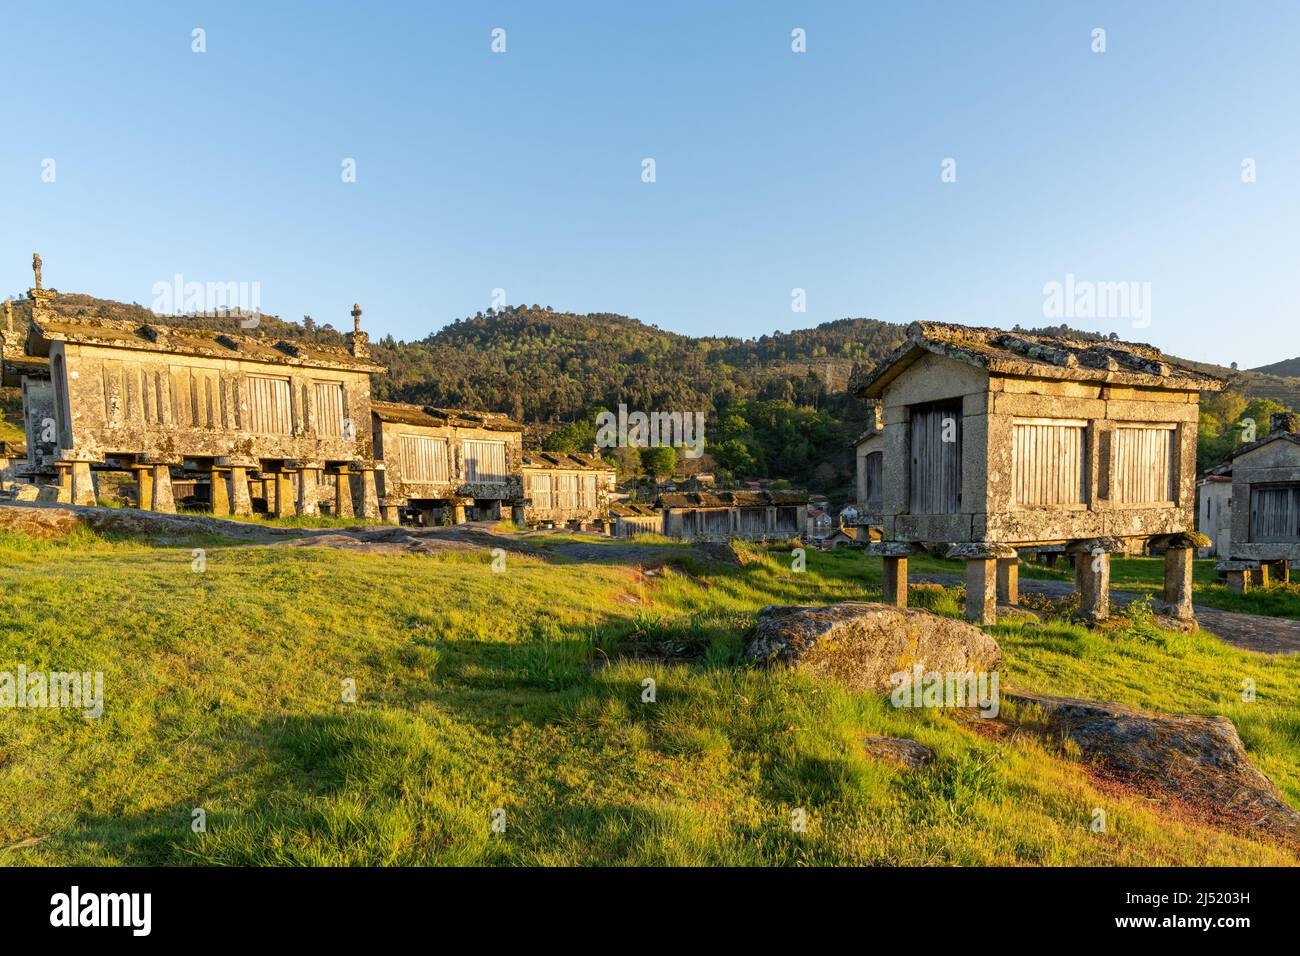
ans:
(1265, 476)
(567, 489)
(275, 420)
(723, 515)
(442, 466)
(995, 441)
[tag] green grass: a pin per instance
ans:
(522, 692)
(1146, 576)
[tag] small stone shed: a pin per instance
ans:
(247, 411)
(1214, 513)
(1265, 474)
(996, 441)
(722, 515)
(445, 465)
(869, 453)
(563, 489)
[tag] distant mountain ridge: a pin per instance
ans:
(1290, 368)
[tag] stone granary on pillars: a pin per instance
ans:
(564, 489)
(722, 515)
(31, 374)
(251, 413)
(1265, 533)
(996, 441)
(444, 465)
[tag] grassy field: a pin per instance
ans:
(512, 693)
(1146, 576)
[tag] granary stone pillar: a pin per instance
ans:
(1238, 574)
(143, 486)
(1092, 576)
(1180, 550)
(343, 492)
(1259, 575)
(284, 503)
(308, 495)
(369, 503)
(1009, 581)
(894, 581)
(981, 559)
(82, 489)
(517, 516)
(1178, 582)
(388, 514)
(220, 493)
(457, 512)
(241, 501)
(63, 482)
(161, 499)
(981, 590)
(1283, 569)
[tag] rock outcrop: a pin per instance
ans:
(1199, 760)
(898, 750)
(862, 645)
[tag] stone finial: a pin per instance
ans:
(1280, 422)
(9, 316)
(358, 341)
(36, 267)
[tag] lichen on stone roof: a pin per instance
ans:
(1025, 354)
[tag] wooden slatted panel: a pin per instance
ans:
(566, 491)
(540, 490)
(424, 458)
(329, 409)
(588, 491)
(935, 486)
(485, 461)
(1143, 467)
(874, 497)
(1049, 464)
(269, 405)
(1275, 513)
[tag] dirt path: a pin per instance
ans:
(1251, 632)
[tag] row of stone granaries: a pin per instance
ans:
(988, 445)
(244, 423)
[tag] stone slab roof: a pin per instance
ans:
(1036, 356)
(731, 499)
(428, 416)
(564, 459)
(628, 510)
(62, 325)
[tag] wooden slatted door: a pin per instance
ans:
(1049, 462)
(1143, 471)
(873, 493)
(935, 480)
(1275, 512)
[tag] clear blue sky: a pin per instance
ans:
(775, 170)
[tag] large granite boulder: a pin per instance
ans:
(1199, 760)
(862, 645)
